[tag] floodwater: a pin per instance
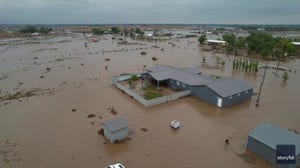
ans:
(42, 130)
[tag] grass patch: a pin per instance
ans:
(151, 93)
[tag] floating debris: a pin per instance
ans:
(154, 58)
(91, 115)
(113, 111)
(144, 129)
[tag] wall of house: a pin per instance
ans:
(117, 135)
(237, 98)
(204, 93)
(264, 152)
(176, 85)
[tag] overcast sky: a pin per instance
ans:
(150, 11)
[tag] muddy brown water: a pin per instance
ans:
(49, 134)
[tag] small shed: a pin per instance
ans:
(263, 141)
(116, 129)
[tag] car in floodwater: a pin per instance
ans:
(117, 165)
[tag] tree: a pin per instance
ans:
(285, 76)
(283, 48)
(97, 31)
(240, 42)
(230, 39)
(202, 38)
(44, 30)
(115, 30)
(28, 29)
(261, 43)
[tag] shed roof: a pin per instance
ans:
(296, 43)
(229, 86)
(216, 41)
(272, 135)
(116, 124)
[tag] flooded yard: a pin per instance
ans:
(50, 86)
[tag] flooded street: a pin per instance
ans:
(43, 79)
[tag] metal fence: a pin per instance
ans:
(151, 102)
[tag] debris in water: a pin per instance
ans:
(154, 58)
(144, 129)
(91, 115)
(113, 111)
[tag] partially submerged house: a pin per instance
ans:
(220, 92)
(263, 141)
(116, 129)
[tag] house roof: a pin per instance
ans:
(229, 86)
(272, 135)
(192, 76)
(116, 124)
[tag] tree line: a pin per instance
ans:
(116, 30)
(33, 29)
(259, 43)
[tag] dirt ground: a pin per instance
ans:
(49, 87)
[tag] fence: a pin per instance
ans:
(151, 102)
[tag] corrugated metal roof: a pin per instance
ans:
(229, 86)
(116, 124)
(190, 76)
(223, 87)
(272, 135)
(164, 75)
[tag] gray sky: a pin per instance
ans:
(150, 11)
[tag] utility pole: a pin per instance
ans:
(261, 84)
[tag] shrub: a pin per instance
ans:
(134, 77)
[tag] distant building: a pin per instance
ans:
(296, 43)
(220, 92)
(263, 141)
(216, 42)
(116, 129)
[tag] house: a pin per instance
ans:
(220, 92)
(263, 141)
(116, 129)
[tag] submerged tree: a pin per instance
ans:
(202, 38)
(285, 76)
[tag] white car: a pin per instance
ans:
(117, 165)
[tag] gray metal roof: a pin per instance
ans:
(190, 76)
(272, 135)
(116, 124)
(229, 86)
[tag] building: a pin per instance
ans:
(116, 129)
(216, 42)
(220, 92)
(263, 141)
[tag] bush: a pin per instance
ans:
(143, 53)
(151, 93)
(134, 77)
(97, 31)
(285, 76)
(223, 63)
